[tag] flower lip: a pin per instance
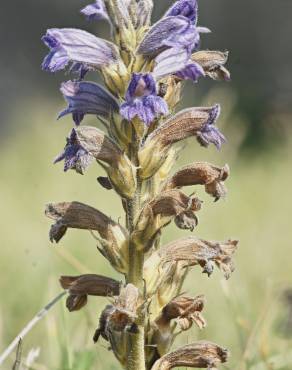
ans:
(87, 98)
(95, 11)
(50, 41)
(210, 134)
(74, 155)
(70, 45)
(186, 8)
(142, 100)
(192, 71)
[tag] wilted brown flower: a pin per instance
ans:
(213, 63)
(121, 172)
(192, 251)
(188, 122)
(201, 354)
(81, 286)
(166, 268)
(186, 310)
(118, 319)
(76, 302)
(201, 173)
(114, 239)
(123, 311)
(159, 212)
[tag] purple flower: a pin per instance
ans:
(142, 100)
(177, 62)
(210, 134)
(192, 71)
(170, 62)
(87, 98)
(144, 12)
(168, 32)
(69, 45)
(186, 8)
(74, 155)
(96, 11)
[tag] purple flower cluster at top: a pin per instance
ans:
(168, 44)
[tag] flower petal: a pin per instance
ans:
(69, 45)
(87, 98)
(185, 8)
(168, 32)
(192, 71)
(96, 11)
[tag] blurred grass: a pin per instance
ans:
(242, 313)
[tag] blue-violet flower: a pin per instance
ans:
(142, 99)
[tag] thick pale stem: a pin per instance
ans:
(136, 341)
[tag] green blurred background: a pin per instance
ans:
(250, 314)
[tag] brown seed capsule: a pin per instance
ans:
(114, 238)
(202, 354)
(213, 63)
(160, 211)
(201, 173)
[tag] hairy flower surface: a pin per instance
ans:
(96, 11)
(69, 45)
(80, 287)
(87, 98)
(142, 100)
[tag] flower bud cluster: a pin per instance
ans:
(144, 69)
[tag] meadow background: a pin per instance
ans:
(252, 313)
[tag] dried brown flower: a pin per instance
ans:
(192, 251)
(188, 122)
(76, 302)
(186, 310)
(201, 354)
(201, 173)
(213, 63)
(118, 319)
(159, 212)
(119, 168)
(81, 286)
(114, 238)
